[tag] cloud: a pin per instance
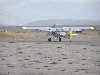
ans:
(3, 1)
(83, 0)
(77, 1)
(36, 0)
(66, 0)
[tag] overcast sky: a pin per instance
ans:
(24, 11)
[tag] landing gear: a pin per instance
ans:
(49, 39)
(59, 39)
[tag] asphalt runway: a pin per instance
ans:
(24, 56)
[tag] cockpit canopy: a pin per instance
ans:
(59, 30)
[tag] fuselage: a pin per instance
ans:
(59, 33)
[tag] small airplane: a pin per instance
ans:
(62, 32)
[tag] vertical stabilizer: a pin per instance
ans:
(70, 33)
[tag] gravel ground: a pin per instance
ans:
(24, 56)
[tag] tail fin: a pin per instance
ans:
(70, 33)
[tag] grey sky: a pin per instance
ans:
(25, 11)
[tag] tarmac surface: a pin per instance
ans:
(25, 56)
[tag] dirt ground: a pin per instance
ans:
(91, 33)
(28, 56)
(15, 35)
(22, 35)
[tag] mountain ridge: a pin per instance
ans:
(65, 22)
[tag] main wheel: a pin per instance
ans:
(49, 39)
(59, 39)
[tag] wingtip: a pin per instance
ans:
(92, 27)
(23, 27)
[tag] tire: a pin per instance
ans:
(49, 39)
(59, 39)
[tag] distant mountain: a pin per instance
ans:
(3, 25)
(64, 22)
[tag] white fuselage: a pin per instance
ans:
(59, 33)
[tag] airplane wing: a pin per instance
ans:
(77, 28)
(50, 29)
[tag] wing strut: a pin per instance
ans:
(70, 33)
